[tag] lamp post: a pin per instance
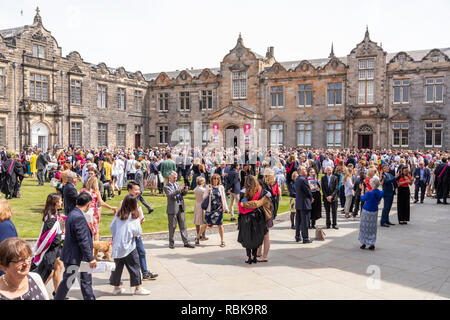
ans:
(14, 65)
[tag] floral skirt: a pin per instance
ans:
(368, 227)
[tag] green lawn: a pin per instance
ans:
(28, 220)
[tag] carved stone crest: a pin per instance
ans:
(39, 36)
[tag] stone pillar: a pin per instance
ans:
(351, 133)
(378, 132)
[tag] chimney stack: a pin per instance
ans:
(270, 52)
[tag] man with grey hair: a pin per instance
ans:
(422, 180)
(70, 193)
(175, 210)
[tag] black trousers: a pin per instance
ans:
(40, 176)
(70, 273)
(142, 200)
(131, 261)
(302, 218)
(333, 207)
(422, 186)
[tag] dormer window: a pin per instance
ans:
(38, 51)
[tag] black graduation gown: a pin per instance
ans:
(252, 227)
(8, 180)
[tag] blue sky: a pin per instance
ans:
(154, 36)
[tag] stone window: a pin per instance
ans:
(400, 135)
(334, 134)
(184, 101)
(163, 134)
(2, 82)
(304, 134)
(138, 100)
(2, 132)
(102, 135)
(75, 135)
(401, 91)
(75, 92)
(121, 132)
(335, 94)
(206, 102)
(38, 87)
(121, 98)
(184, 133)
(276, 94)
(138, 129)
(38, 51)
(101, 95)
(239, 85)
(163, 102)
(366, 81)
(305, 95)
(433, 134)
(276, 135)
(434, 90)
(205, 133)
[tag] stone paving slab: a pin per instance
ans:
(413, 263)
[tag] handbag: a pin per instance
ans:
(54, 182)
(320, 234)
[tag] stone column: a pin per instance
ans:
(378, 132)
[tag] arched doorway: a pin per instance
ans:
(232, 136)
(39, 136)
(365, 137)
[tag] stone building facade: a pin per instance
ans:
(368, 99)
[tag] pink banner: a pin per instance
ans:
(247, 129)
(215, 128)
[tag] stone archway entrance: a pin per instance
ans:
(365, 137)
(232, 136)
(39, 136)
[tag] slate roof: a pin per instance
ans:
(12, 32)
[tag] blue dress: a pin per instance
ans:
(369, 216)
(215, 217)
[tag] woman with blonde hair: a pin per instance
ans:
(7, 228)
(216, 207)
(199, 213)
(349, 192)
(94, 212)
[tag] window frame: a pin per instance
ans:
(119, 130)
(433, 130)
(184, 100)
(138, 100)
(280, 143)
(3, 131)
(434, 84)
(334, 89)
(304, 130)
(105, 129)
(72, 133)
(2, 82)
(402, 126)
(165, 133)
(241, 80)
(103, 95)
(76, 90)
(366, 80)
(277, 92)
(304, 92)
(334, 130)
(206, 100)
(121, 98)
(163, 98)
(33, 81)
(40, 49)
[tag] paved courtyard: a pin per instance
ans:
(412, 261)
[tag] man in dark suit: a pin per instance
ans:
(422, 180)
(70, 193)
(234, 187)
(303, 200)
(329, 191)
(48, 158)
(78, 246)
(41, 164)
(175, 210)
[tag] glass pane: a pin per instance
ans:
(243, 88)
(362, 75)
(439, 91)
(396, 94)
(438, 125)
(406, 82)
(430, 81)
(301, 138)
(301, 98)
(405, 94)
(308, 127)
(370, 74)
(428, 137)
(362, 64)
(338, 126)
(428, 125)
(429, 93)
(308, 98)
(338, 137)
(280, 99)
(397, 82)
(405, 125)
(331, 86)
(330, 136)
(369, 92)
(339, 96)
(330, 126)
(308, 87)
(274, 99)
(396, 141)
(362, 92)
(301, 88)
(308, 138)
(301, 127)
(404, 138)
(396, 125)
(437, 138)
(338, 85)
(370, 63)
(330, 97)
(439, 80)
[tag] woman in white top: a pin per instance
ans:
(348, 191)
(130, 168)
(120, 167)
(125, 227)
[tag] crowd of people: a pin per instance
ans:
(251, 184)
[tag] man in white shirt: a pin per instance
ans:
(327, 163)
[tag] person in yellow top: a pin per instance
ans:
(108, 172)
(33, 164)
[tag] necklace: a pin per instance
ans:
(8, 285)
